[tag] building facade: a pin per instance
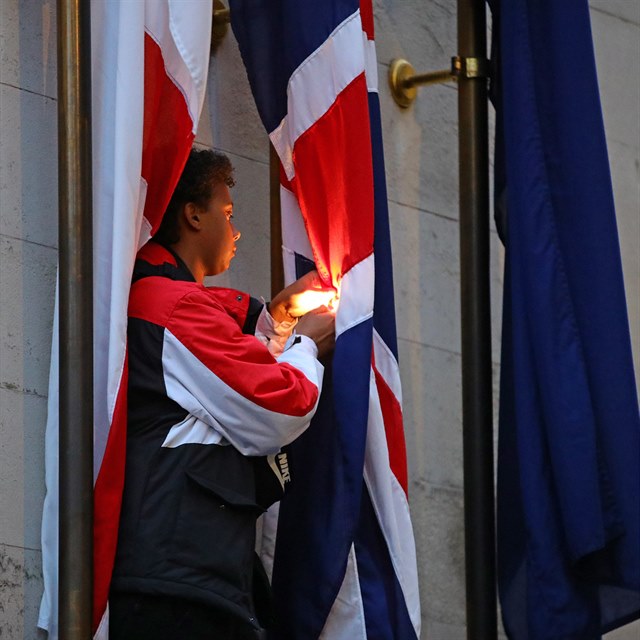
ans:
(421, 154)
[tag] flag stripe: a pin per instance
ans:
(346, 620)
(117, 121)
(366, 10)
(392, 420)
(370, 64)
(167, 127)
(294, 234)
(107, 500)
(387, 365)
(356, 291)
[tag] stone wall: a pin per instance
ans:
(421, 157)
(28, 255)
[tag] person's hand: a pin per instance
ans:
(300, 297)
(320, 326)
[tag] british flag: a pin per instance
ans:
(343, 562)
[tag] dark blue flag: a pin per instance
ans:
(569, 452)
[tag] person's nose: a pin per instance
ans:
(236, 233)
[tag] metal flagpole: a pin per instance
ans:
(75, 586)
(471, 70)
(277, 268)
(476, 322)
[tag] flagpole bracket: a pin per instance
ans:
(404, 81)
(470, 67)
(219, 24)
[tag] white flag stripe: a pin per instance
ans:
(48, 615)
(266, 540)
(370, 64)
(356, 295)
(102, 632)
(387, 366)
(294, 232)
(346, 619)
(289, 263)
(117, 109)
(145, 228)
(117, 106)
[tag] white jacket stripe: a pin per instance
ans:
(251, 429)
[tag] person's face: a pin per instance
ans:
(219, 235)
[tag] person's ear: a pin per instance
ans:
(191, 214)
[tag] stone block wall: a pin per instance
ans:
(28, 256)
(421, 156)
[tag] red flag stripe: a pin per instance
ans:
(167, 135)
(366, 14)
(392, 415)
(107, 500)
(338, 218)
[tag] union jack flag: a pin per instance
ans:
(343, 562)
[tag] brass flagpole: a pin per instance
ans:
(75, 585)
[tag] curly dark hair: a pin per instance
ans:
(203, 171)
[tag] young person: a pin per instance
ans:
(218, 383)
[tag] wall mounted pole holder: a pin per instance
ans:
(219, 24)
(403, 80)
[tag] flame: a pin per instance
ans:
(314, 298)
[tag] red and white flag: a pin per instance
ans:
(149, 69)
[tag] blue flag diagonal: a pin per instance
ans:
(569, 448)
(344, 564)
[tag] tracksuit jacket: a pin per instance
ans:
(209, 408)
